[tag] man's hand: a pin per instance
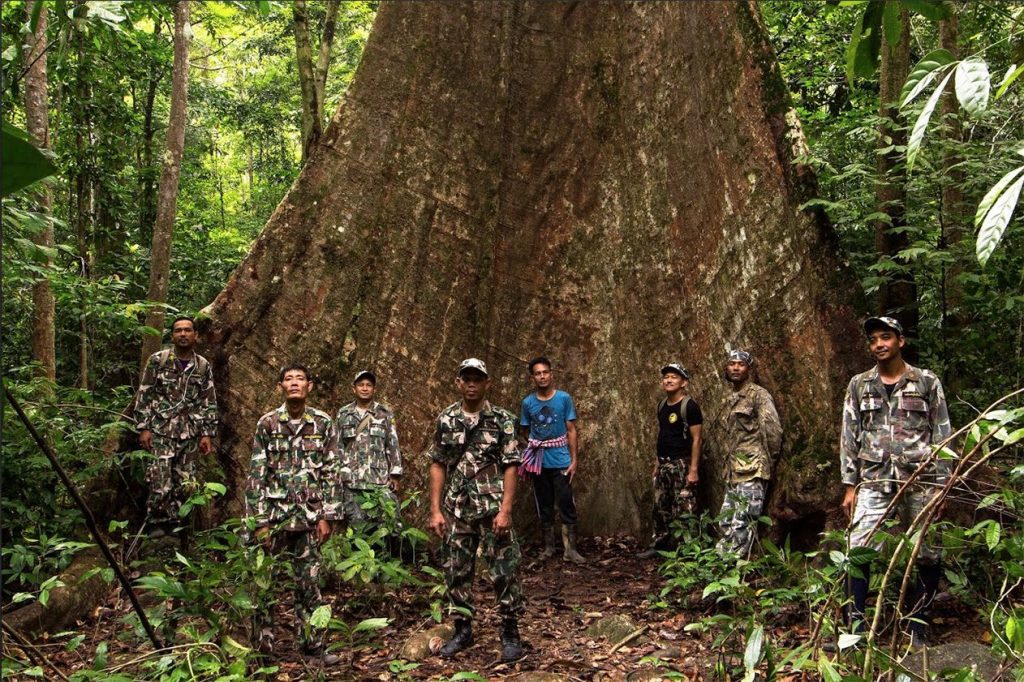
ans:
(395, 483)
(146, 439)
(502, 523)
(437, 523)
(206, 445)
(571, 470)
(692, 478)
(323, 531)
(849, 498)
(263, 535)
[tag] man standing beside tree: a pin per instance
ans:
(548, 420)
(752, 440)
(371, 463)
(474, 458)
(894, 416)
(680, 422)
(176, 416)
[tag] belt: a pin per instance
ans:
(670, 459)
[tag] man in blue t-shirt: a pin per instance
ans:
(548, 420)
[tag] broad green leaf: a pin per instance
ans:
(1012, 74)
(992, 534)
(924, 73)
(33, 24)
(993, 194)
(22, 163)
(847, 640)
(973, 85)
(837, 557)
(994, 225)
(218, 488)
(371, 624)
(917, 134)
(936, 10)
(1011, 628)
(891, 22)
(263, 6)
(828, 671)
(865, 42)
(321, 617)
(755, 646)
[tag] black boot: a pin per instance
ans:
(858, 593)
(511, 644)
(462, 639)
(925, 587)
(550, 544)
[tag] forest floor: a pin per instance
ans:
(600, 621)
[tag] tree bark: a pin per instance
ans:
(84, 203)
(897, 297)
(147, 211)
(323, 62)
(611, 184)
(167, 193)
(312, 126)
(37, 103)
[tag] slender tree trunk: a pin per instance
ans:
(147, 210)
(312, 127)
(323, 62)
(83, 187)
(167, 193)
(37, 117)
(898, 297)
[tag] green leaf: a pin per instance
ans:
(837, 557)
(828, 671)
(917, 134)
(848, 640)
(22, 163)
(993, 194)
(936, 10)
(924, 73)
(891, 22)
(321, 617)
(263, 6)
(33, 24)
(755, 647)
(865, 42)
(996, 220)
(218, 488)
(973, 85)
(1012, 74)
(992, 534)
(371, 624)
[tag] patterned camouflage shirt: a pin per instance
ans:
(475, 458)
(885, 436)
(367, 446)
(177, 402)
(753, 433)
(290, 481)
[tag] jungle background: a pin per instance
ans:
(920, 188)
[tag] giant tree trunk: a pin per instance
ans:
(37, 106)
(167, 193)
(610, 184)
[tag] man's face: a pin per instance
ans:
(472, 384)
(364, 389)
(541, 376)
(672, 382)
(737, 371)
(295, 385)
(885, 344)
(183, 335)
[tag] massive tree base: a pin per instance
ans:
(610, 184)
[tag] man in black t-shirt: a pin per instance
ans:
(679, 442)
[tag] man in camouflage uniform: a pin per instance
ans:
(894, 416)
(474, 458)
(176, 415)
(752, 439)
(289, 496)
(371, 463)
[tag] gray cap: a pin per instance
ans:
(472, 363)
(741, 356)
(365, 374)
(874, 323)
(677, 368)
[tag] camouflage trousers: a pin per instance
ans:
(668, 505)
(869, 515)
(298, 551)
(738, 519)
(171, 477)
(502, 556)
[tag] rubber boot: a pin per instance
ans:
(550, 544)
(462, 639)
(511, 644)
(858, 593)
(926, 586)
(569, 541)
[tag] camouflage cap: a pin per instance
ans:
(472, 363)
(875, 323)
(365, 374)
(677, 368)
(741, 356)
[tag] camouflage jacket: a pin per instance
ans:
(475, 459)
(174, 402)
(290, 482)
(367, 448)
(887, 437)
(753, 433)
